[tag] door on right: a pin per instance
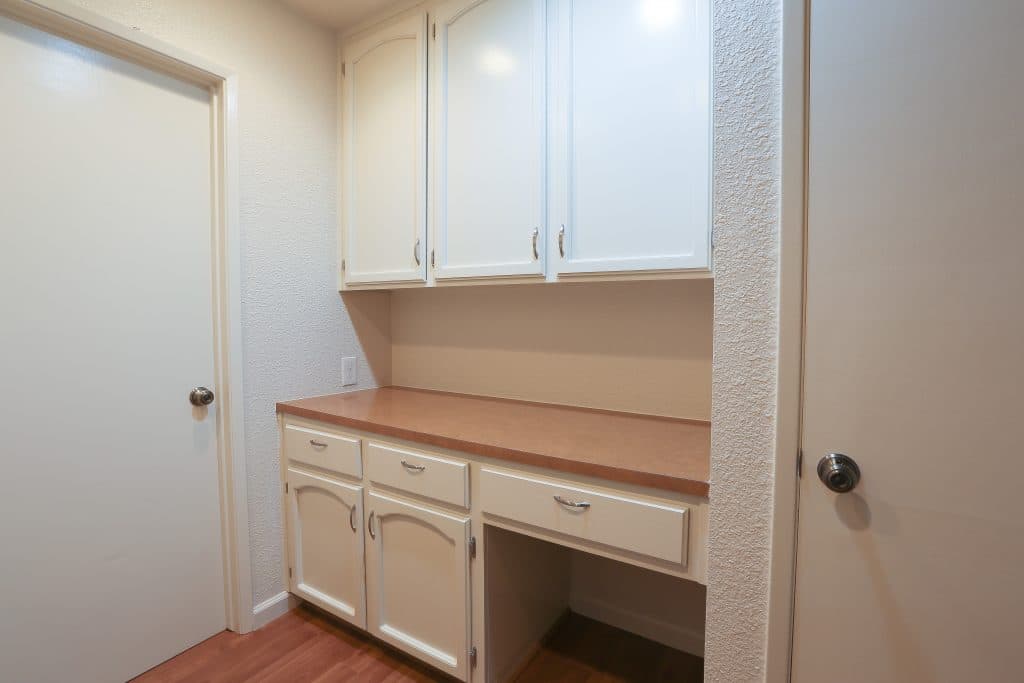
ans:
(914, 346)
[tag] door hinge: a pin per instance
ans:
(431, 258)
(343, 69)
(433, 31)
(286, 487)
(800, 464)
(472, 657)
(472, 546)
(343, 265)
(289, 572)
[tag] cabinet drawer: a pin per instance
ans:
(328, 451)
(424, 475)
(658, 530)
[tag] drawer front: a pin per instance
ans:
(334, 452)
(658, 530)
(425, 475)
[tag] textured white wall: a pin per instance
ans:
(747, 102)
(295, 327)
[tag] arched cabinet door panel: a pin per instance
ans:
(487, 92)
(383, 156)
(417, 581)
(326, 546)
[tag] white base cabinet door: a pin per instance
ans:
(326, 544)
(487, 92)
(630, 131)
(417, 582)
(383, 153)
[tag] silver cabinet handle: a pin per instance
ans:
(317, 444)
(536, 234)
(572, 503)
(416, 251)
(369, 525)
(561, 241)
(352, 518)
(415, 468)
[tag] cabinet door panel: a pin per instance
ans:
(417, 582)
(326, 544)
(631, 126)
(383, 203)
(488, 95)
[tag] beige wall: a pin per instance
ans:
(632, 346)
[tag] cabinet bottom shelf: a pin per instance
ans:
(581, 649)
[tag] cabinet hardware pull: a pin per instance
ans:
(317, 444)
(352, 518)
(409, 466)
(416, 251)
(369, 525)
(561, 241)
(572, 503)
(536, 234)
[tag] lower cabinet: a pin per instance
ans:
(327, 545)
(417, 581)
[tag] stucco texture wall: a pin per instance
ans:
(295, 326)
(747, 135)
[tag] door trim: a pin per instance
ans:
(789, 402)
(92, 30)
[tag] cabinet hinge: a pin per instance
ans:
(472, 657)
(472, 546)
(433, 31)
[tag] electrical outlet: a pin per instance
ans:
(349, 371)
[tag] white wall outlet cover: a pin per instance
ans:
(349, 371)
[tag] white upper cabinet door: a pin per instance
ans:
(383, 197)
(631, 125)
(325, 538)
(417, 582)
(488, 64)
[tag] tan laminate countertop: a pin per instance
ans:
(659, 452)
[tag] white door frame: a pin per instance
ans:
(98, 32)
(792, 237)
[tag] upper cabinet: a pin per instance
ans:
(567, 139)
(383, 156)
(487, 121)
(630, 135)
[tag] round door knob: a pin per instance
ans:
(200, 396)
(838, 472)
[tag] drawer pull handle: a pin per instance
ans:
(317, 444)
(369, 525)
(352, 518)
(579, 505)
(415, 468)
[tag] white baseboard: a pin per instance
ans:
(673, 635)
(272, 608)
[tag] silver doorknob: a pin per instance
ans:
(200, 396)
(838, 472)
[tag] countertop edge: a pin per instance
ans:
(650, 479)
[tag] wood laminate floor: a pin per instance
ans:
(308, 646)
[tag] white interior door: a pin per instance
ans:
(914, 338)
(631, 135)
(383, 151)
(110, 512)
(488, 129)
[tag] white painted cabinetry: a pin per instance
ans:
(326, 543)
(630, 134)
(487, 94)
(417, 581)
(383, 156)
